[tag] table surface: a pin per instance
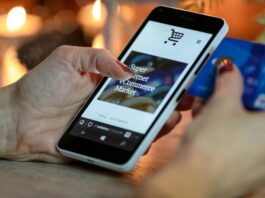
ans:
(35, 179)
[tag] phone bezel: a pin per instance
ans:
(181, 18)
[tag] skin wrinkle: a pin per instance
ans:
(24, 103)
(94, 61)
(8, 124)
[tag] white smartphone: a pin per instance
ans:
(119, 121)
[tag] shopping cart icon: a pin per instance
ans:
(175, 37)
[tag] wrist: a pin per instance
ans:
(8, 120)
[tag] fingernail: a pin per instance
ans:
(125, 67)
(224, 65)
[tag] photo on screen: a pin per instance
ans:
(154, 76)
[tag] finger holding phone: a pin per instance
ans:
(223, 151)
(36, 109)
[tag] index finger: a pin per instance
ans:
(86, 59)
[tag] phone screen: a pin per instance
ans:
(122, 111)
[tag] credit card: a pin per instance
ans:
(249, 58)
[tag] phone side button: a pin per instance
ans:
(180, 95)
(203, 62)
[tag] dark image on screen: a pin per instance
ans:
(154, 77)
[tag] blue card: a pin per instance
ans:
(249, 58)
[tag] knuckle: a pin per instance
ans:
(102, 52)
(62, 50)
(100, 55)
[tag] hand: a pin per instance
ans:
(223, 151)
(48, 96)
(45, 100)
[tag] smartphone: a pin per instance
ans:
(119, 121)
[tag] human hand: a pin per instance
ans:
(48, 96)
(45, 100)
(223, 152)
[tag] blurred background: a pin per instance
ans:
(31, 29)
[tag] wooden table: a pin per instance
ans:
(34, 179)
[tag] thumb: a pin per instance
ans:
(229, 85)
(85, 59)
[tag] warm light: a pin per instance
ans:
(16, 18)
(12, 68)
(17, 24)
(92, 17)
(98, 41)
(96, 10)
(127, 13)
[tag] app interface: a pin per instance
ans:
(123, 110)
